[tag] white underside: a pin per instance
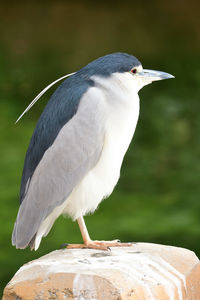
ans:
(122, 116)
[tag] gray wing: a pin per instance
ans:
(75, 151)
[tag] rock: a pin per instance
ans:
(142, 271)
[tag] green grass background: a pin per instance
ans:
(157, 197)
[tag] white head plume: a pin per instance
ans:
(41, 93)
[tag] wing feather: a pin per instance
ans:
(61, 107)
(75, 150)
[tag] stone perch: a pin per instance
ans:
(143, 271)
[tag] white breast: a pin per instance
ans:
(122, 115)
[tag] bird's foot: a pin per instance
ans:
(99, 245)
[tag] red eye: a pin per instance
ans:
(134, 71)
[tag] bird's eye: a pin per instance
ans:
(134, 71)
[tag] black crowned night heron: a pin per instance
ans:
(75, 154)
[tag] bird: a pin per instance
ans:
(75, 154)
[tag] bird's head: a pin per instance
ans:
(124, 66)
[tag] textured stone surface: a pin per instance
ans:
(143, 271)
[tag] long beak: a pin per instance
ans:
(152, 75)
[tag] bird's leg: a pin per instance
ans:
(88, 243)
(84, 232)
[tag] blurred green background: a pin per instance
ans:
(157, 197)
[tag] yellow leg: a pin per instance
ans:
(88, 243)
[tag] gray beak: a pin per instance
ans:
(151, 75)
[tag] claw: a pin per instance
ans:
(64, 245)
(99, 245)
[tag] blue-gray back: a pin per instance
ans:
(61, 107)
